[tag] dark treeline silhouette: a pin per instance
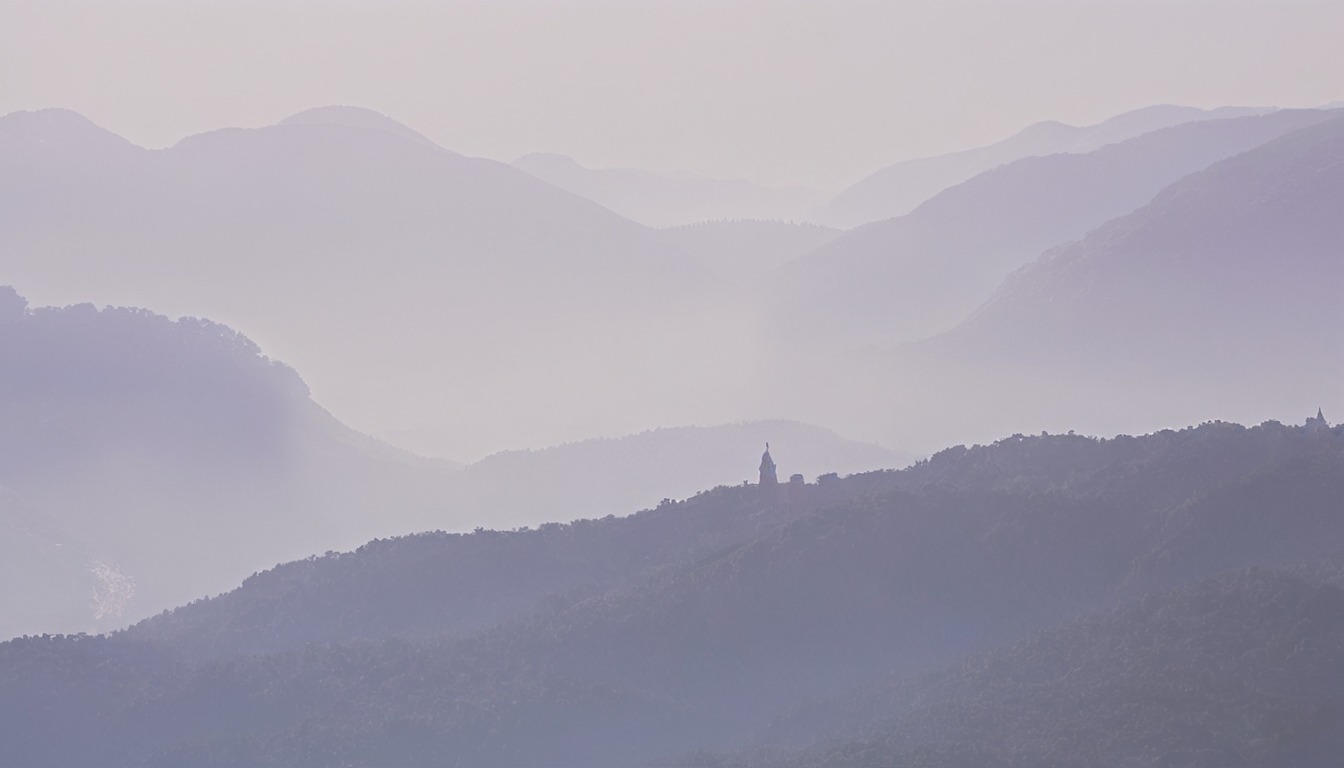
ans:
(993, 605)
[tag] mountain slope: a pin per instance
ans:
(910, 277)
(1222, 295)
(390, 588)
(898, 572)
(163, 460)
(1171, 283)
(1234, 671)
(900, 188)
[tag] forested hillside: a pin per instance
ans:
(691, 628)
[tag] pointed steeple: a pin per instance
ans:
(768, 476)
(1317, 424)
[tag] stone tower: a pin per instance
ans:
(769, 480)
(1317, 425)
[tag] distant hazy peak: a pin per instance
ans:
(356, 117)
(899, 188)
(1130, 124)
(57, 127)
(1046, 129)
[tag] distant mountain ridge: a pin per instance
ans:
(454, 258)
(1221, 294)
(360, 118)
(899, 188)
(922, 273)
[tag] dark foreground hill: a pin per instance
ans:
(696, 625)
(1236, 671)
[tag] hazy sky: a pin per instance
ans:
(816, 93)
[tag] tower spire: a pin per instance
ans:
(768, 477)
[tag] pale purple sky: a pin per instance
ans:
(816, 93)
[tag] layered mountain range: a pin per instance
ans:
(899, 188)
(1173, 598)
(361, 254)
(148, 462)
(910, 277)
(1218, 297)
(464, 307)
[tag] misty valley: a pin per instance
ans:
(324, 444)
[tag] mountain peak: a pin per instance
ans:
(57, 127)
(361, 118)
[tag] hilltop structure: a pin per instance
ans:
(1317, 424)
(769, 480)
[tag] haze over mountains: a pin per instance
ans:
(165, 460)
(495, 311)
(455, 259)
(1220, 296)
(149, 462)
(671, 385)
(1173, 598)
(898, 189)
(911, 277)
(664, 201)
(743, 251)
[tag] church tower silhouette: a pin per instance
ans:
(769, 480)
